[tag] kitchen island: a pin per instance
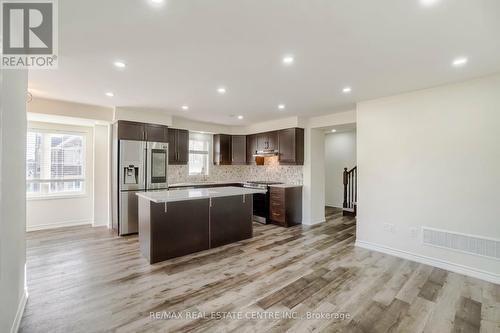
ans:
(179, 222)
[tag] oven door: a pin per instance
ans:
(157, 165)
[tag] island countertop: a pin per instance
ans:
(193, 194)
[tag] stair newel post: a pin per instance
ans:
(345, 188)
(356, 185)
(351, 188)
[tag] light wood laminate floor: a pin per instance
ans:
(85, 279)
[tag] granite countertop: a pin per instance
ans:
(286, 185)
(193, 194)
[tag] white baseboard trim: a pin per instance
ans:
(443, 264)
(100, 224)
(333, 206)
(314, 222)
(58, 225)
(19, 312)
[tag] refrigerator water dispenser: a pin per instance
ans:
(131, 174)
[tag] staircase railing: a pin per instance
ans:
(350, 188)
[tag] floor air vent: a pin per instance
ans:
(485, 247)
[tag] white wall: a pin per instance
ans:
(70, 109)
(65, 211)
(198, 126)
(102, 175)
(340, 153)
(13, 85)
(143, 115)
(431, 158)
(313, 190)
(265, 126)
(339, 118)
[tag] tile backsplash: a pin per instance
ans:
(271, 170)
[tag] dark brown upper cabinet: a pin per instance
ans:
(178, 146)
(241, 149)
(222, 149)
(238, 149)
(156, 133)
(251, 148)
(291, 146)
(267, 141)
(129, 130)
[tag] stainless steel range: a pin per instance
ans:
(261, 201)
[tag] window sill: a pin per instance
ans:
(56, 197)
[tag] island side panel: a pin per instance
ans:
(181, 229)
(145, 228)
(230, 219)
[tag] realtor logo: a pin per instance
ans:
(29, 34)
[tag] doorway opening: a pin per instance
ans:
(340, 172)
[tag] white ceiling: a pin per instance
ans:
(181, 52)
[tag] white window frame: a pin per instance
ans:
(200, 152)
(61, 195)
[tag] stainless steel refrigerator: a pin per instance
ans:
(142, 166)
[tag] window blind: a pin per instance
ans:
(199, 153)
(55, 163)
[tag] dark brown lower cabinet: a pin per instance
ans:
(285, 205)
(183, 227)
(229, 218)
(180, 229)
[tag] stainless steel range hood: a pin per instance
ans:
(265, 153)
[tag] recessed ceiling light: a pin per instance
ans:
(185, 107)
(156, 1)
(347, 90)
(333, 130)
(221, 90)
(119, 64)
(458, 62)
(240, 117)
(428, 3)
(288, 60)
(110, 94)
(281, 106)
